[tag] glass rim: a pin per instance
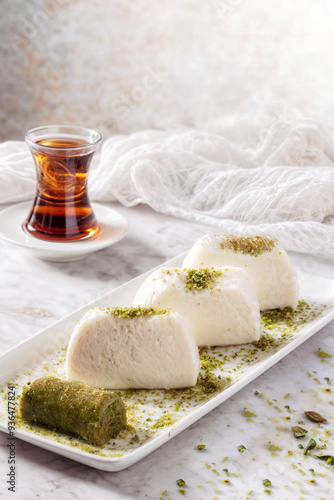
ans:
(35, 144)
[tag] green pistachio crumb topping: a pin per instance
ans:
(199, 279)
(252, 245)
(133, 312)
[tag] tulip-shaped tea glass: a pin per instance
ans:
(61, 210)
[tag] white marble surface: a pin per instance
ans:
(35, 293)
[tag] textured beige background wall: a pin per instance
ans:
(127, 65)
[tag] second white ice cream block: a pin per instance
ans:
(219, 304)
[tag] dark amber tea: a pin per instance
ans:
(61, 210)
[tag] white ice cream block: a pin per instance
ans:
(121, 348)
(219, 304)
(262, 257)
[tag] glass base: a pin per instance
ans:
(88, 234)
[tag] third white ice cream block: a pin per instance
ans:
(262, 257)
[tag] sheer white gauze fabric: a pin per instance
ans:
(281, 184)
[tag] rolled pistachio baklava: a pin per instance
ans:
(73, 407)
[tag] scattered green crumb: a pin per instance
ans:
(268, 342)
(273, 447)
(289, 317)
(323, 354)
(210, 363)
(248, 414)
(180, 482)
(266, 482)
(201, 446)
(209, 382)
(135, 439)
(241, 448)
(163, 421)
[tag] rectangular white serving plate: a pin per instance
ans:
(316, 283)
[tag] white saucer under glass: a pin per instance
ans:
(113, 228)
